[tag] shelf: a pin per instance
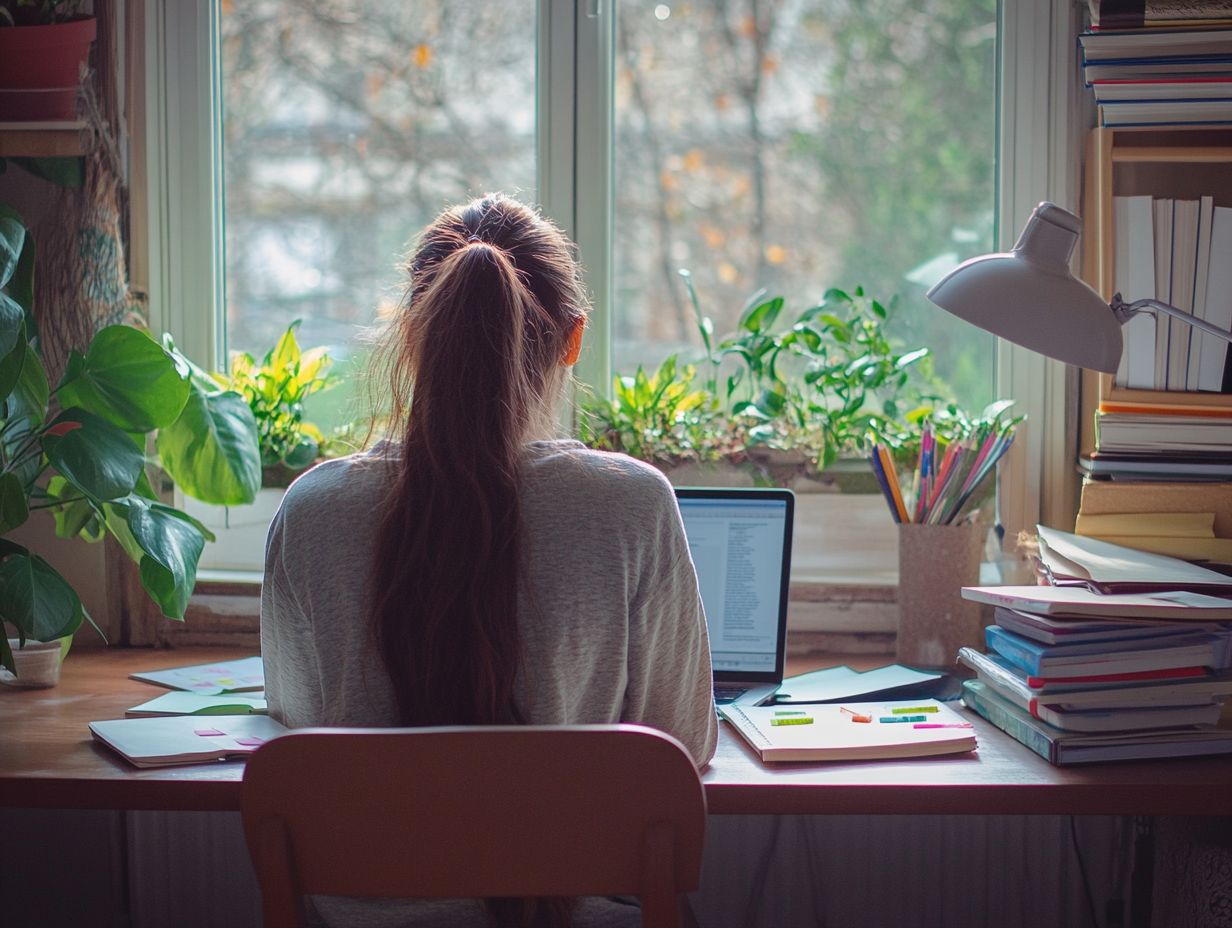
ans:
(42, 139)
(1145, 154)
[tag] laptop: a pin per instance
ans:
(740, 540)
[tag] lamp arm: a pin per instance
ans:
(1125, 311)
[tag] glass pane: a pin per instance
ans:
(797, 146)
(346, 128)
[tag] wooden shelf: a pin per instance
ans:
(42, 139)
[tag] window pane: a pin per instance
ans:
(346, 128)
(797, 146)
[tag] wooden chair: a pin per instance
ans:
(474, 811)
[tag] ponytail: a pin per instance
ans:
(477, 351)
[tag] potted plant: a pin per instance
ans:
(43, 45)
(275, 389)
(79, 451)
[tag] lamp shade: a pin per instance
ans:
(1030, 298)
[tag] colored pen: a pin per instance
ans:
(941, 725)
(912, 710)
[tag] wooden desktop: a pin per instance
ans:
(48, 760)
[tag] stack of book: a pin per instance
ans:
(1161, 69)
(1127, 655)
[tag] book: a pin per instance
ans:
(1215, 550)
(1213, 351)
(1133, 433)
(185, 739)
(834, 684)
(1048, 630)
(1013, 686)
(1155, 44)
(1164, 89)
(1165, 113)
(1100, 658)
(1134, 267)
(238, 676)
(1202, 271)
(1110, 568)
(1138, 14)
(833, 733)
(1080, 602)
(1148, 68)
(1159, 524)
(181, 703)
(1061, 747)
(1214, 467)
(1164, 216)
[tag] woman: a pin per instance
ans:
(476, 570)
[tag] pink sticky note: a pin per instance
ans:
(209, 732)
(249, 742)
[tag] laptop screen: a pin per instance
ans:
(741, 546)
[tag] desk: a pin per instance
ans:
(48, 760)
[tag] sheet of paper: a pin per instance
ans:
(845, 683)
(1079, 601)
(181, 703)
(1105, 563)
(247, 673)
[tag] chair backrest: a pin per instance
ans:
(474, 811)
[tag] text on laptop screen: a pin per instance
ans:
(737, 548)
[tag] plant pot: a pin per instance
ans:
(40, 68)
(38, 663)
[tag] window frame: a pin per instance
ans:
(178, 203)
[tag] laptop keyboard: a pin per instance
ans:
(728, 694)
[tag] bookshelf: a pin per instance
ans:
(1179, 162)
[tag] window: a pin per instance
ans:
(794, 145)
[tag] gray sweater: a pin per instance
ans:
(609, 612)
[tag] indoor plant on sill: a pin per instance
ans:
(43, 45)
(275, 390)
(79, 452)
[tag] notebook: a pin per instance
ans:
(185, 739)
(180, 703)
(852, 731)
(237, 676)
(740, 540)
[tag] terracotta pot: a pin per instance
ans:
(40, 67)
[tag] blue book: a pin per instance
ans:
(1103, 658)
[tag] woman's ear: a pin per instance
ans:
(574, 348)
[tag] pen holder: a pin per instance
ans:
(934, 563)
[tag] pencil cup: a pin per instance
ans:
(934, 563)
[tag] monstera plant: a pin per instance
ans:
(80, 449)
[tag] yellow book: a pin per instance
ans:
(1190, 549)
(1155, 524)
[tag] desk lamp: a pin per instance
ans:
(1029, 297)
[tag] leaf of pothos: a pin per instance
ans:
(211, 450)
(171, 547)
(93, 455)
(14, 510)
(36, 599)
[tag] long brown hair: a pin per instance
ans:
(475, 367)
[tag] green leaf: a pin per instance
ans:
(302, 455)
(171, 547)
(127, 378)
(93, 455)
(910, 358)
(12, 242)
(6, 655)
(211, 450)
(75, 518)
(29, 395)
(116, 520)
(12, 363)
(14, 508)
(761, 317)
(36, 599)
(285, 354)
(61, 171)
(12, 317)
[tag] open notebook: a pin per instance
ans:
(185, 739)
(852, 731)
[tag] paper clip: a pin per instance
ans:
(855, 716)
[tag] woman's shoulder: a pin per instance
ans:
(567, 462)
(355, 480)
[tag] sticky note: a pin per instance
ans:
(795, 720)
(250, 742)
(778, 712)
(912, 710)
(209, 732)
(903, 718)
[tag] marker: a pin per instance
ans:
(903, 718)
(912, 710)
(942, 725)
(797, 720)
